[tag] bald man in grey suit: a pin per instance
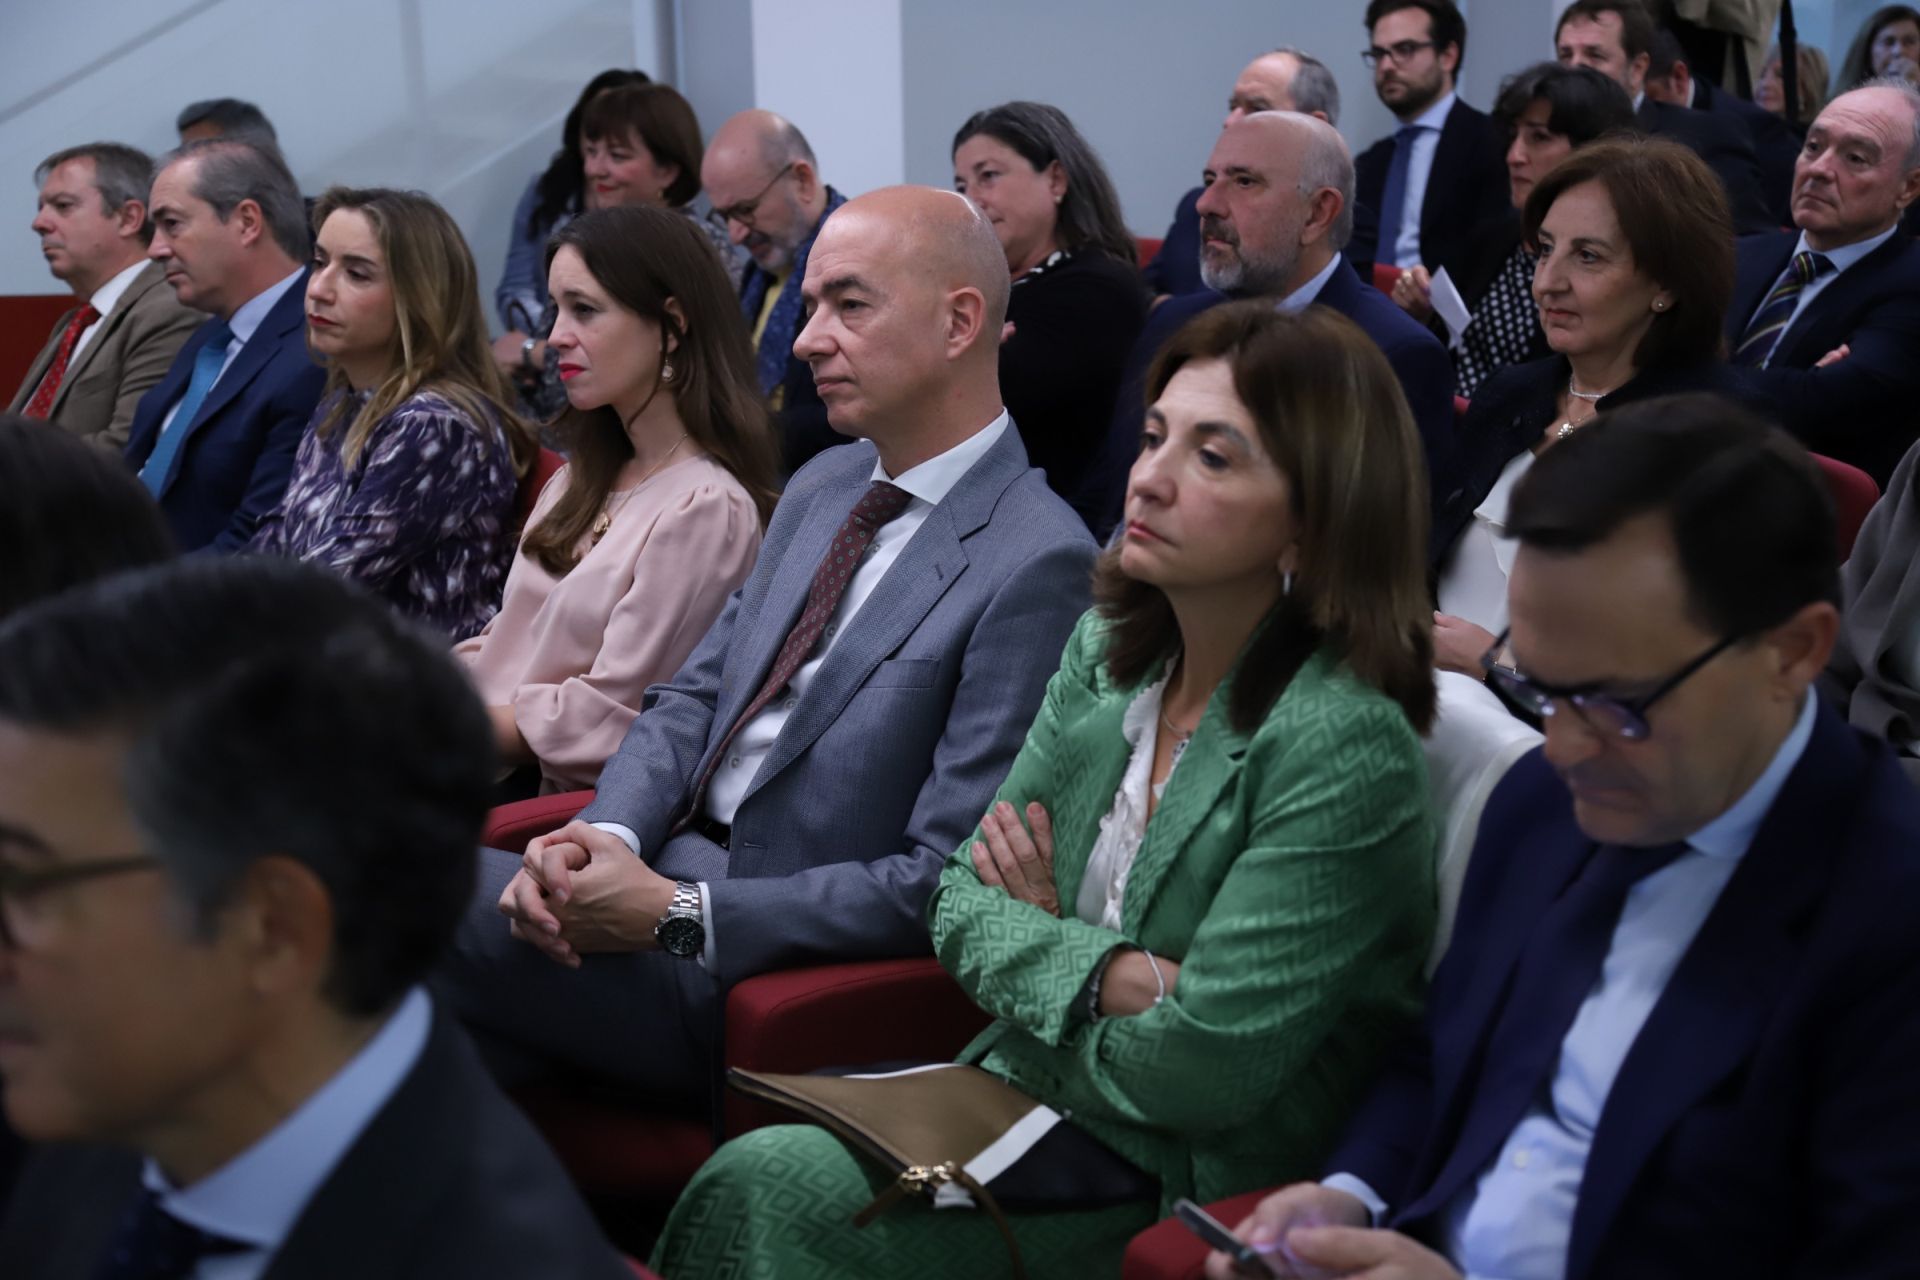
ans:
(791, 792)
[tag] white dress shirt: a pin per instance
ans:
(259, 1195)
(244, 322)
(1303, 297)
(927, 484)
(1405, 251)
(1515, 1221)
(1842, 258)
(104, 300)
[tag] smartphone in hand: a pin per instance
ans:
(1209, 1228)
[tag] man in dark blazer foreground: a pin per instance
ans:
(216, 438)
(210, 1010)
(1276, 210)
(1673, 1035)
(126, 325)
(1615, 37)
(1452, 174)
(789, 796)
(1852, 184)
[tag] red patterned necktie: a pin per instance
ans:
(57, 371)
(879, 505)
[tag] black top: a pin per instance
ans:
(1075, 318)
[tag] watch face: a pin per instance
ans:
(680, 935)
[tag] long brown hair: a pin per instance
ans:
(439, 331)
(1333, 419)
(643, 257)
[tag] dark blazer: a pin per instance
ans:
(1865, 409)
(1515, 406)
(1466, 188)
(1073, 325)
(448, 1180)
(1176, 268)
(234, 465)
(1775, 144)
(1726, 145)
(1764, 1121)
(1418, 359)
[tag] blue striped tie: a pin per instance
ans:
(1763, 334)
(207, 363)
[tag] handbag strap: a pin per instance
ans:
(925, 1180)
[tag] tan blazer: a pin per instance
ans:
(127, 354)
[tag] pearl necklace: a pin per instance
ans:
(1567, 424)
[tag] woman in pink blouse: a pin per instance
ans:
(634, 547)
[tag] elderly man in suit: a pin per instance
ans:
(210, 955)
(106, 352)
(1275, 215)
(1615, 37)
(1844, 281)
(216, 437)
(1443, 173)
(789, 796)
(1673, 1035)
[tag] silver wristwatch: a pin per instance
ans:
(681, 931)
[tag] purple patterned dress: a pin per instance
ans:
(423, 518)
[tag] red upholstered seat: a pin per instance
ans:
(1854, 494)
(1148, 247)
(641, 1271)
(1384, 274)
(797, 1020)
(1168, 1251)
(544, 466)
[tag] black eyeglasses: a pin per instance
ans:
(743, 212)
(20, 889)
(1398, 52)
(1606, 714)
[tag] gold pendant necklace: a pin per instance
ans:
(604, 521)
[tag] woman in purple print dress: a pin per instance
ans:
(406, 478)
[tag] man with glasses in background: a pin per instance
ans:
(766, 191)
(1442, 176)
(1674, 1032)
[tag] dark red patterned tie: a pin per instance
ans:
(879, 505)
(57, 371)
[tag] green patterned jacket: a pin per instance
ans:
(1289, 871)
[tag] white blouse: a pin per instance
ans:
(1104, 887)
(1473, 586)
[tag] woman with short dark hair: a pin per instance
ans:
(1077, 303)
(1548, 111)
(1634, 272)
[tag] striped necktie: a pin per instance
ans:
(1770, 321)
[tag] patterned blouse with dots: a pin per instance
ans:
(1504, 328)
(423, 518)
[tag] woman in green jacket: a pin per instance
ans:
(1199, 906)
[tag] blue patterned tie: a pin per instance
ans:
(783, 323)
(1770, 321)
(152, 1244)
(206, 371)
(1394, 195)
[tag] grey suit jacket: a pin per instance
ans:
(897, 747)
(130, 351)
(1871, 673)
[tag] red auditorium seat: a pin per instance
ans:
(544, 466)
(1147, 245)
(25, 321)
(1459, 409)
(798, 1020)
(1168, 1251)
(1384, 274)
(641, 1271)
(1854, 494)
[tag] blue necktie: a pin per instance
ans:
(1770, 321)
(1394, 195)
(206, 371)
(152, 1244)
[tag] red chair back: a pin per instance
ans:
(1459, 409)
(26, 321)
(1854, 494)
(1384, 275)
(1149, 248)
(544, 466)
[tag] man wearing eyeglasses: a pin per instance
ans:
(215, 919)
(766, 191)
(1674, 1034)
(1442, 176)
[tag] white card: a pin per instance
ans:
(1449, 306)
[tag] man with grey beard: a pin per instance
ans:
(1275, 214)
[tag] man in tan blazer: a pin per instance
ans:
(106, 352)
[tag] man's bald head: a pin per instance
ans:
(1317, 154)
(761, 175)
(907, 292)
(1278, 203)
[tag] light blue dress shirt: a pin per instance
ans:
(259, 1195)
(1406, 250)
(243, 324)
(1515, 1221)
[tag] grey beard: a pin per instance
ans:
(1244, 278)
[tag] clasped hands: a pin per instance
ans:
(581, 890)
(1310, 1232)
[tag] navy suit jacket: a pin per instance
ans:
(1419, 361)
(1764, 1121)
(1466, 189)
(1865, 409)
(234, 464)
(1726, 144)
(1176, 268)
(1775, 145)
